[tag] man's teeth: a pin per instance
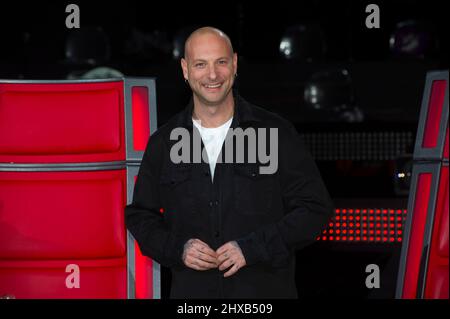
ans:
(213, 86)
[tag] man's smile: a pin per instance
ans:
(212, 87)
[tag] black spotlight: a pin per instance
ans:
(329, 96)
(303, 42)
(412, 39)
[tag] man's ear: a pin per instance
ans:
(235, 60)
(184, 67)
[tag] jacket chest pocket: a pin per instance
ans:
(176, 190)
(253, 191)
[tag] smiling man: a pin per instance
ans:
(227, 230)
(210, 66)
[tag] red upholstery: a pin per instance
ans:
(443, 231)
(62, 123)
(49, 220)
(52, 216)
(437, 283)
(47, 279)
(58, 215)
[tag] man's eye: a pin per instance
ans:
(222, 62)
(199, 65)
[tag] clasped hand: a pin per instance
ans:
(199, 256)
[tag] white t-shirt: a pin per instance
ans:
(213, 139)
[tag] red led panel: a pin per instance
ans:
(143, 272)
(144, 275)
(416, 238)
(141, 120)
(350, 224)
(442, 236)
(437, 283)
(62, 123)
(446, 145)
(435, 106)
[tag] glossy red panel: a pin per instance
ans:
(422, 197)
(59, 215)
(52, 123)
(437, 285)
(141, 119)
(446, 145)
(435, 107)
(144, 275)
(443, 233)
(48, 279)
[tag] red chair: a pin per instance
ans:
(424, 268)
(69, 152)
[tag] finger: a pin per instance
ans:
(189, 262)
(204, 248)
(223, 248)
(209, 252)
(221, 258)
(195, 257)
(207, 258)
(232, 271)
(200, 265)
(192, 266)
(226, 264)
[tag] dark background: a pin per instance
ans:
(141, 36)
(386, 87)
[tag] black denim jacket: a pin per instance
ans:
(269, 215)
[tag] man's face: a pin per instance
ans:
(210, 67)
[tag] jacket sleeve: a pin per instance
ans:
(143, 217)
(307, 205)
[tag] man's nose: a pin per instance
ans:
(212, 73)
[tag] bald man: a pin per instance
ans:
(229, 229)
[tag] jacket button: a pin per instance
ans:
(211, 204)
(216, 203)
(216, 234)
(206, 173)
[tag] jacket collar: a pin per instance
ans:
(243, 113)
